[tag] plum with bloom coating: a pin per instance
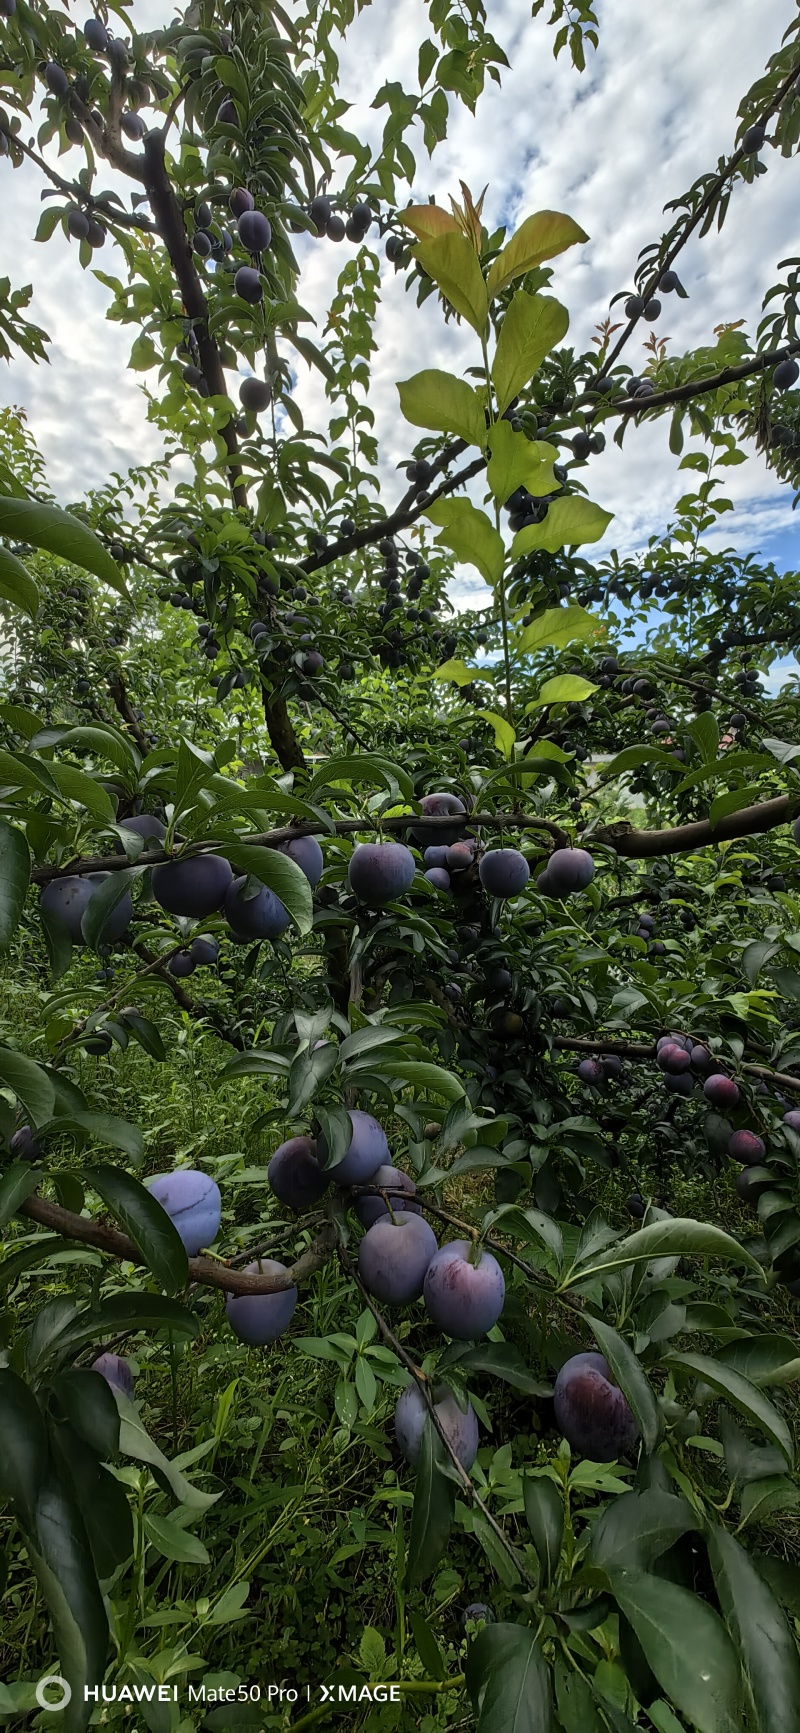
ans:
(367, 1152)
(193, 1203)
(258, 1319)
(394, 1256)
(591, 1411)
(411, 1414)
(295, 1175)
(464, 1299)
(504, 872)
(380, 872)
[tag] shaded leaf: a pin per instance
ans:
(444, 404)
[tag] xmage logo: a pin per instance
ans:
(360, 1693)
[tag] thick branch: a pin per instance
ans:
(685, 838)
(400, 519)
(207, 1271)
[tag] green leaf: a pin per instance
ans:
(136, 1442)
(504, 734)
(631, 1379)
(687, 1647)
(766, 1646)
(280, 874)
(532, 326)
(15, 872)
(765, 1360)
(570, 520)
(23, 1444)
(678, 1237)
(557, 627)
(452, 262)
(147, 1224)
(704, 730)
(75, 786)
(501, 1360)
(44, 526)
(107, 1128)
(104, 900)
(16, 584)
(519, 462)
(420, 1075)
(98, 737)
(741, 1394)
(544, 1512)
(631, 757)
(432, 1513)
(508, 1681)
(174, 1542)
(443, 403)
(427, 1647)
(539, 237)
(89, 1406)
(29, 1082)
(564, 689)
(470, 535)
(577, 1710)
(635, 1529)
(100, 1497)
(457, 672)
(61, 1558)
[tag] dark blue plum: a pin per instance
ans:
(204, 952)
(504, 872)
(592, 1071)
(438, 806)
(568, 870)
(25, 1145)
(193, 1203)
(296, 1176)
(380, 872)
(436, 856)
(592, 1412)
(182, 965)
(393, 1257)
(195, 887)
(260, 917)
(145, 824)
(411, 1414)
(307, 854)
(261, 1318)
(65, 901)
(438, 877)
(464, 1299)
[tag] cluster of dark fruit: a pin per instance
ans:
(328, 222)
(99, 41)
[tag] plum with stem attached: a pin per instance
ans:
(394, 1256)
(464, 1290)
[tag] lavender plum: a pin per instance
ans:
(592, 1411)
(193, 1203)
(438, 806)
(464, 1299)
(295, 1174)
(258, 1319)
(368, 1150)
(394, 1256)
(370, 1209)
(568, 870)
(146, 825)
(116, 1371)
(307, 854)
(411, 1414)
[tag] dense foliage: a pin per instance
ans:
(399, 1063)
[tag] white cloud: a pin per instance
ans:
(655, 108)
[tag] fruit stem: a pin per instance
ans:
(476, 1250)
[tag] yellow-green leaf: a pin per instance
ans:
(556, 627)
(533, 325)
(519, 462)
(428, 221)
(570, 520)
(444, 404)
(471, 536)
(454, 266)
(504, 735)
(564, 689)
(540, 237)
(457, 671)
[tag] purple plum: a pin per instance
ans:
(746, 1147)
(380, 872)
(592, 1411)
(261, 1318)
(393, 1257)
(568, 870)
(116, 1371)
(260, 917)
(295, 1174)
(368, 1150)
(195, 887)
(411, 1414)
(438, 806)
(464, 1298)
(721, 1091)
(504, 872)
(307, 854)
(370, 1209)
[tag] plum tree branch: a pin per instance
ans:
(647, 1050)
(685, 838)
(690, 388)
(400, 519)
(206, 1271)
(74, 191)
(706, 204)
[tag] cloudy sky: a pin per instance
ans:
(654, 109)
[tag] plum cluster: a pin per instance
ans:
(334, 227)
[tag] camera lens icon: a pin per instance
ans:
(53, 1693)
